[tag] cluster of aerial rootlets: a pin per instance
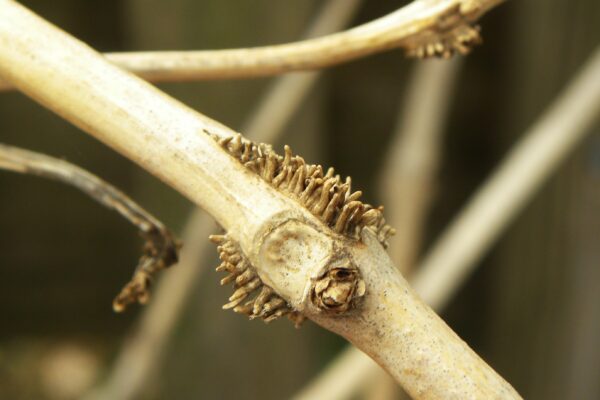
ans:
(266, 304)
(325, 195)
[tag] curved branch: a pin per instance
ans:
(161, 247)
(423, 28)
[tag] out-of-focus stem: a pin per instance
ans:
(541, 150)
(349, 371)
(413, 157)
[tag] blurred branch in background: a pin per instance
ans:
(350, 371)
(493, 207)
(161, 247)
(440, 25)
(413, 158)
(143, 351)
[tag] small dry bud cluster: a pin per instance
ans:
(338, 290)
(161, 250)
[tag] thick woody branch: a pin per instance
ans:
(423, 28)
(290, 247)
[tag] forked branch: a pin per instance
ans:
(424, 28)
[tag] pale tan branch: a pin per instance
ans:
(143, 352)
(293, 251)
(424, 27)
(543, 147)
(161, 247)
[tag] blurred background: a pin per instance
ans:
(531, 309)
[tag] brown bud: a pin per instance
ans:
(338, 289)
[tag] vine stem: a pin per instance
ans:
(170, 140)
(399, 29)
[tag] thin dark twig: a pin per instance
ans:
(161, 247)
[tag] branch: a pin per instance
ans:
(423, 28)
(340, 277)
(543, 147)
(160, 249)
